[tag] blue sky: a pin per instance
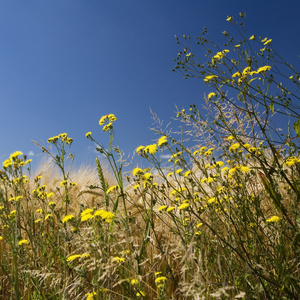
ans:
(65, 63)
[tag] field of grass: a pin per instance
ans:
(218, 219)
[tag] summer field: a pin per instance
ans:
(218, 219)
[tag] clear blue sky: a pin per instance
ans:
(65, 63)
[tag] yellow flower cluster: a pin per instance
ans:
(23, 242)
(14, 160)
(162, 141)
(112, 189)
(210, 95)
(247, 71)
(73, 257)
(89, 213)
(219, 56)
(16, 199)
(209, 78)
(68, 218)
(143, 151)
(274, 219)
(63, 137)
(160, 281)
(118, 259)
(108, 121)
(291, 161)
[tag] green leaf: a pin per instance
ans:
(296, 127)
(272, 107)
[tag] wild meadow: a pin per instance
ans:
(213, 213)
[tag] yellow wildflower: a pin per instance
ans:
(15, 155)
(112, 117)
(147, 176)
(102, 120)
(137, 171)
(246, 71)
(90, 296)
(86, 211)
(104, 214)
(210, 77)
(140, 148)
(187, 173)
(274, 219)
(86, 217)
(220, 163)
(268, 42)
(160, 279)
(234, 147)
(212, 200)
(162, 141)
(73, 257)
(48, 216)
(291, 161)
(163, 207)
(151, 149)
(263, 69)
(113, 188)
(7, 163)
(140, 294)
(170, 208)
(236, 74)
(118, 259)
(23, 242)
(49, 195)
(63, 183)
(210, 95)
(107, 127)
(245, 169)
(183, 206)
(67, 218)
(134, 281)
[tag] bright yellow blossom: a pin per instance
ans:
(23, 242)
(234, 147)
(274, 219)
(15, 155)
(162, 141)
(263, 69)
(210, 95)
(113, 188)
(183, 206)
(170, 208)
(210, 77)
(151, 149)
(268, 42)
(63, 183)
(163, 207)
(67, 218)
(118, 259)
